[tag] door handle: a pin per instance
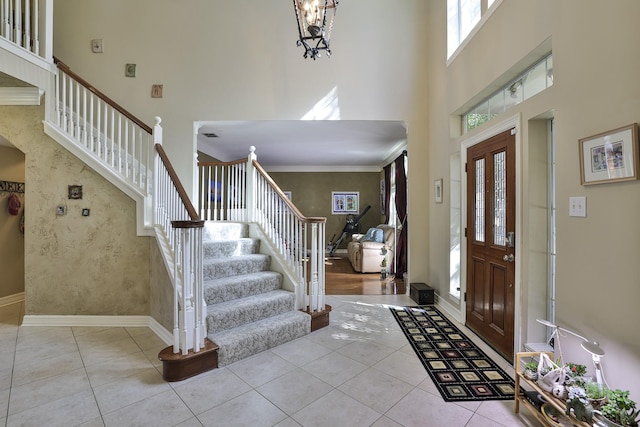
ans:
(509, 258)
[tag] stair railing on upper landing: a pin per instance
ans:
(130, 154)
(243, 191)
(28, 24)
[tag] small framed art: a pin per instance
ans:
(610, 156)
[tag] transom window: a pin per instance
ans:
(532, 81)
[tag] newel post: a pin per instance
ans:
(251, 185)
(155, 161)
(43, 37)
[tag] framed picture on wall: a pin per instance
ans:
(610, 156)
(344, 202)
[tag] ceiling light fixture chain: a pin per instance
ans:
(312, 17)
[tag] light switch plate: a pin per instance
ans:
(578, 206)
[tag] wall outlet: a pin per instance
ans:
(96, 46)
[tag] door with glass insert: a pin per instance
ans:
(490, 293)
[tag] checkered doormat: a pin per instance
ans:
(460, 370)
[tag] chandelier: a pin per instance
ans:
(315, 20)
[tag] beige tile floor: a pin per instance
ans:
(358, 371)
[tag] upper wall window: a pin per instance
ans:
(462, 17)
(534, 80)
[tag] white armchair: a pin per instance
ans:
(364, 253)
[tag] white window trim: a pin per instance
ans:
(484, 18)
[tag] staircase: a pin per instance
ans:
(247, 310)
(222, 286)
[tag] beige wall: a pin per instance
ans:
(73, 264)
(402, 75)
(311, 193)
(238, 60)
(11, 240)
(595, 89)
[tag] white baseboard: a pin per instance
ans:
(12, 299)
(160, 331)
(449, 308)
(107, 321)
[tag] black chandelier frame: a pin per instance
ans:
(314, 44)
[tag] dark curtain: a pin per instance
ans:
(401, 208)
(387, 192)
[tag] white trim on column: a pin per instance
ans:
(12, 299)
(20, 95)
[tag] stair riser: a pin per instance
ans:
(240, 314)
(216, 249)
(250, 342)
(233, 267)
(225, 231)
(226, 289)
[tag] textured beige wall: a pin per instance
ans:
(11, 240)
(311, 193)
(75, 265)
(161, 298)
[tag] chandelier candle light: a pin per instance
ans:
(315, 20)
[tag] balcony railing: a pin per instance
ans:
(28, 24)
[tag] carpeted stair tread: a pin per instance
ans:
(226, 248)
(241, 286)
(231, 314)
(214, 268)
(252, 338)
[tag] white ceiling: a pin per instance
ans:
(306, 145)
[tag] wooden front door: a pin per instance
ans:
(490, 293)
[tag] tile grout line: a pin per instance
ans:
(13, 367)
(84, 367)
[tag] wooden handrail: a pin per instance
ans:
(61, 65)
(294, 209)
(193, 214)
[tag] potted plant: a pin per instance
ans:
(531, 371)
(578, 403)
(575, 374)
(619, 410)
(596, 393)
(576, 370)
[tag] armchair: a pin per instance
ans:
(363, 250)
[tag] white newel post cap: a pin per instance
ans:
(157, 131)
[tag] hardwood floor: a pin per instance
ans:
(341, 279)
